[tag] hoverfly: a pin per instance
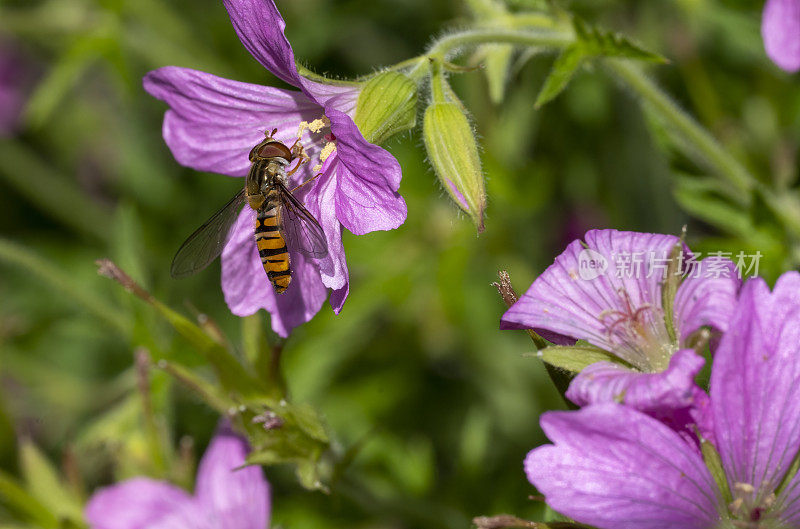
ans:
(282, 222)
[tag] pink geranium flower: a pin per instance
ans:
(212, 125)
(780, 28)
(225, 496)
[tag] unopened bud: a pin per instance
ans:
(386, 105)
(453, 152)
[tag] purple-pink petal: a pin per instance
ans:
(616, 468)
(660, 392)
(755, 384)
(261, 27)
(213, 123)
(247, 289)
(367, 180)
(340, 97)
(780, 29)
(143, 502)
(572, 299)
(320, 202)
(706, 297)
(239, 497)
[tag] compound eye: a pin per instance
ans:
(275, 149)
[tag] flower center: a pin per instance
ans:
(639, 334)
(751, 509)
(319, 130)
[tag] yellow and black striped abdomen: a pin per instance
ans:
(272, 248)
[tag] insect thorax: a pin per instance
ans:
(263, 177)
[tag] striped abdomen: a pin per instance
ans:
(271, 246)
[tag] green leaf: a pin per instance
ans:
(560, 75)
(497, 61)
(231, 373)
(609, 44)
(575, 358)
(700, 198)
(299, 438)
(45, 485)
(591, 43)
(23, 505)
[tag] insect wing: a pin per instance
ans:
(299, 227)
(207, 242)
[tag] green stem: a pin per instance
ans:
(713, 153)
(449, 44)
(438, 82)
(308, 74)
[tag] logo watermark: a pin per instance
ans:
(647, 264)
(591, 264)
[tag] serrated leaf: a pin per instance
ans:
(598, 42)
(591, 43)
(560, 75)
(575, 358)
(299, 438)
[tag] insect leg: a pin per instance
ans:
(307, 182)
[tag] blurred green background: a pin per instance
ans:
(414, 371)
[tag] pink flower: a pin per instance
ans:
(225, 497)
(213, 123)
(780, 29)
(613, 467)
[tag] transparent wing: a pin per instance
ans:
(299, 227)
(207, 242)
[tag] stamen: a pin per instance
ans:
(315, 126)
(639, 332)
(752, 509)
(327, 150)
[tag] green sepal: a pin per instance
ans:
(300, 439)
(453, 153)
(669, 288)
(497, 61)
(387, 104)
(575, 358)
(714, 463)
(790, 474)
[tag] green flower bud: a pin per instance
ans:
(386, 105)
(453, 152)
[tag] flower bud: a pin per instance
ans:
(453, 152)
(386, 105)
